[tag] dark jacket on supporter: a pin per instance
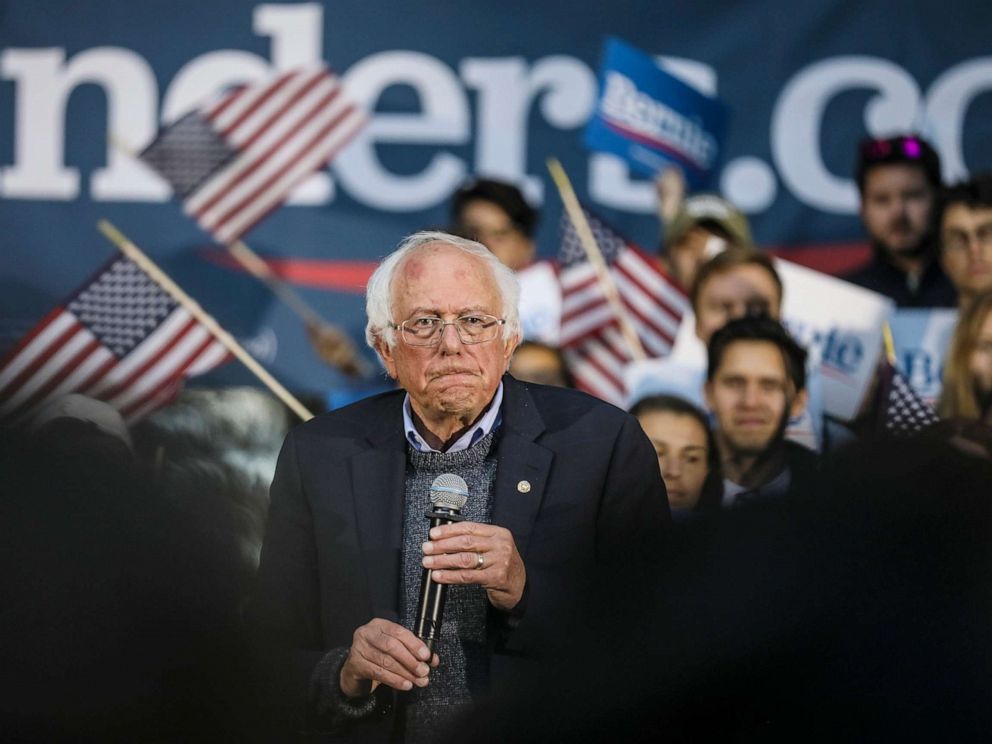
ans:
(799, 481)
(934, 290)
(577, 483)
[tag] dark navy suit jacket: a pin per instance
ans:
(332, 552)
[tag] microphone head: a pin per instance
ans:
(449, 491)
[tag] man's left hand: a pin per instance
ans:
(473, 553)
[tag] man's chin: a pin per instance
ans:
(905, 250)
(750, 446)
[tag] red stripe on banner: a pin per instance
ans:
(172, 377)
(351, 276)
(830, 258)
(56, 377)
(261, 190)
(53, 347)
(636, 136)
(260, 161)
(31, 336)
(588, 383)
(127, 382)
(260, 101)
(290, 104)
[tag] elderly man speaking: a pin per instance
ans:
(559, 484)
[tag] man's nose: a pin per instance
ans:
(670, 468)
(450, 340)
(751, 396)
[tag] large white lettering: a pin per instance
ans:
(798, 115)
(507, 88)
(44, 82)
(443, 120)
(947, 104)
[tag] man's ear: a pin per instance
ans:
(385, 352)
(708, 394)
(511, 346)
(798, 404)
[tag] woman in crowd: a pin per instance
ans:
(687, 453)
(968, 369)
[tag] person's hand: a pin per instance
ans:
(669, 187)
(383, 652)
(335, 348)
(473, 553)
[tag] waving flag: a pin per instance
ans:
(121, 338)
(590, 331)
(903, 412)
(237, 159)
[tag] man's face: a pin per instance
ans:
(966, 247)
(896, 208)
(491, 226)
(682, 447)
(453, 380)
(735, 293)
(752, 396)
(981, 358)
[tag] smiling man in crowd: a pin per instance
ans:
(560, 485)
(755, 382)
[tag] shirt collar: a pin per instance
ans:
(489, 421)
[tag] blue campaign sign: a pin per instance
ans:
(652, 119)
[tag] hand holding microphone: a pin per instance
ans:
(460, 552)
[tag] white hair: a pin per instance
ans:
(379, 291)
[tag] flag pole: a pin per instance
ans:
(595, 256)
(256, 266)
(134, 253)
(889, 343)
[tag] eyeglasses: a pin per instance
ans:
(893, 148)
(426, 330)
(959, 241)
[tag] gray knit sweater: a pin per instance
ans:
(464, 672)
(463, 675)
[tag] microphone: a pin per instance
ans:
(448, 495)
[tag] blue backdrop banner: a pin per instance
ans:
(453, 90)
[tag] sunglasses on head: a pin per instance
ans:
(892, 148)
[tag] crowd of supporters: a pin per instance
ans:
(147, 539)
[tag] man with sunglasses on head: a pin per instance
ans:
(899, 180)
(560, 485)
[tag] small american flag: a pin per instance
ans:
(238, 158)
(591, 338)
(904, 412)
(121, 339)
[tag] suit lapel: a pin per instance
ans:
(522, 472)
(379, 477)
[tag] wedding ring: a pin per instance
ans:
(479, 561)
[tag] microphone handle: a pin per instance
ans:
(432, 594)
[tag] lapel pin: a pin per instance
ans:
(523, 486)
